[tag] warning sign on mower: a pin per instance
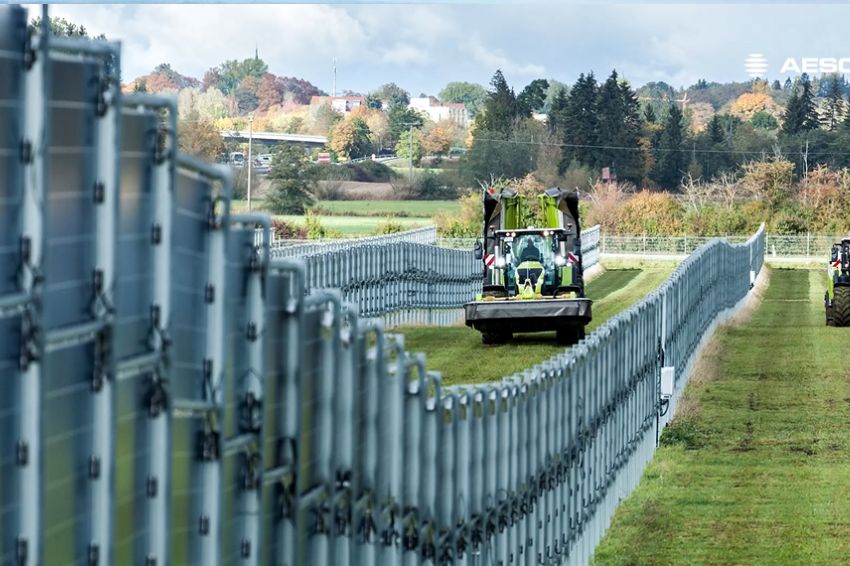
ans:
(489, 260)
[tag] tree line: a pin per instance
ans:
(595, 125)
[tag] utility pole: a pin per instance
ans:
(250, 159)
(333, 91)
(410, 153)
(410, 126)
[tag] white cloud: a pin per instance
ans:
(495, 59)
(423, 46)
(406, 55)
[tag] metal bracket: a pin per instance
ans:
(93, 554)
(245, 548)
(251, 413)
(30, 51)
(101, 104)
(27, 154)
(251, 332)
(156, 234)
(209, 293)
(99, 192)
(94, 467)
(22, 548)
(209, 445)
(22, 453)
(151, 487)
(156, 398)
(160, 151)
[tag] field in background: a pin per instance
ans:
(403, 208)
(358, 225)
(754, 469)
(363, 217)
(458, 353)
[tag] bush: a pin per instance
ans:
(426, 185)
(653, 214)
(364, 171)
(314, 228)
(288, 230)
(372, 171)
(467, 223)
(289, 196)
(390, 226)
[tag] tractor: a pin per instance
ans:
(532, 269)
(837, 296)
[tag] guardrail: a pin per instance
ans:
(816, 246)
(301, 248)
(172, 395)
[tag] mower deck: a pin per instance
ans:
(537, 315)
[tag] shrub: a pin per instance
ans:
(390, 226)
(467, 223)
(289, 196)
(653, 214)
(685, 433)
(288, 230)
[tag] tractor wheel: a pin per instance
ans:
(493, 338)
(841, 306)
(570, 336)
(830, 317)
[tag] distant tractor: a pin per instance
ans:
(837, 297)
(533, 275)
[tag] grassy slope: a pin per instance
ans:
(420, 214)
(458, 353)
(757, 473)
(413, 208)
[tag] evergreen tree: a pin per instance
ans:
(671, 160)
(800, 112)
(791, 118)
(776, 85)
(557, 112)
(532, 97)
(834, 103)
(580, 123)
(788, 84)
(715, 130)
(292, 187)
(808, 110)
(500, 108)
(619, 129)
(649, 115)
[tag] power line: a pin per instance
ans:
(656, 149)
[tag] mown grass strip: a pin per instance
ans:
(458, 353)
(756, 471)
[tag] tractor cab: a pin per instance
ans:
(534, 263)
(837, 296)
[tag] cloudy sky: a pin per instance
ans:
(423, 46)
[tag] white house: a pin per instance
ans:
(437, 111)
(341, 104)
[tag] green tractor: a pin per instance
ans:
(533, 276)
(837, 297)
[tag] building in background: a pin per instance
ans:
(341, 104)
(437, 111)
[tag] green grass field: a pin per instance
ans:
(367, 215)
(754, 469)
(358, 225)
(409, 208)
(458, 353)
